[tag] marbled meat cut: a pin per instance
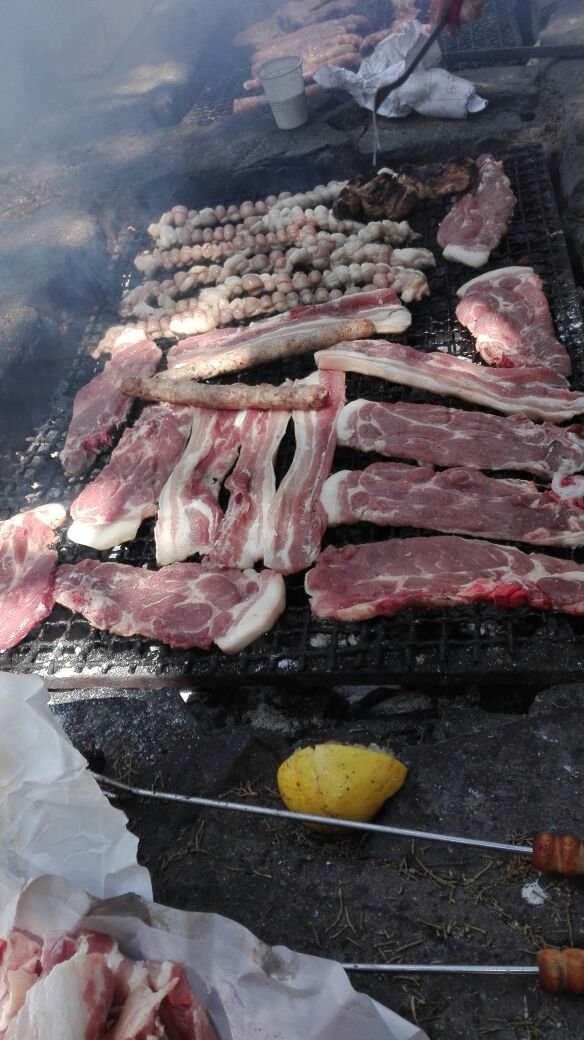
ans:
(189, 514)
(100, 405)
(81, 987)
(382, 307)
(461, 501)
(359, 582)
(245, 530)
(506, 310)
(184, 605)
(442, 436)
(538, 393)
(111, 508)
(296, 518)
(27, 571)
(477, 222)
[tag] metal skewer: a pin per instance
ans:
(328, 821)
(456, 969)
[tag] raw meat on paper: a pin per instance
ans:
(507, 312)
(111, 508)
(27, 571)
(359, 582)
(189, 514)
(296, 518)
(538, 393)
(442, 436)
(100, 405)
(477, 222)
(245, 531)
(461, 501)
(382, 307)
(184, 605)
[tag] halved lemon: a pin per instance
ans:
(346, 781)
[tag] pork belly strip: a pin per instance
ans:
(359, 582)
(100, 405)
(477, 222)
(382, 307)
(111, 508)
(538, 393)
(442, 436)
(27, 571)
(189, 514)
(508, 313)
(73, 1001)
(288, 396)
(459, 501)
(245, 530)
(296, 518)
(184, 605)
(271, 348)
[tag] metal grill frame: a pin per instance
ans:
(431, 647)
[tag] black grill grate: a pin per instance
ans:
(459, 644)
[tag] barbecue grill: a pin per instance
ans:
(456, 645)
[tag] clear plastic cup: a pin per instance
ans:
(283, 84)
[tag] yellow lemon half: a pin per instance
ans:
(341, 780)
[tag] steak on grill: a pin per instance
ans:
(27, 571)
(359, 582)
(477, 222)
(539, 393)
(443, 436)
(100, 405)
(506, 310)
(111, 508)
(184, 605)
(461, 501)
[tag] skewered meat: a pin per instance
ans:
(27, 571)
(245, 529)
(184, 605)
(289, 395)
(506, 310)
(189, 514)
(100, 406)
(111, 508)
(538, 393)
(477, 222)
(363, 581)
(429, 433)
(459, 501)
(296, 518)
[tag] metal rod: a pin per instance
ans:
(457, 969)
(285, 814)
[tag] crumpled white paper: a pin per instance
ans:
(54, 818)
(250, 991)
(431, 91)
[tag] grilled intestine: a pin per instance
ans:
(226, 264)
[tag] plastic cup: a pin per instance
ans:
(283, 84)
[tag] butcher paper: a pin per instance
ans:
(431, 91)
(251, 991)
(54, 819)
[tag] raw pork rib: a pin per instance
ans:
(245, 529)
(27, 571)
(110, 509)
(450, 437)
(296, 518)
(463, 501)
(539, 393)
(382, 307)
(20, 966)
(507, 312)
(477, 221)
(71, 1002)
(100, 405)
(189, 514)
(362, 581)
(183, 605)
